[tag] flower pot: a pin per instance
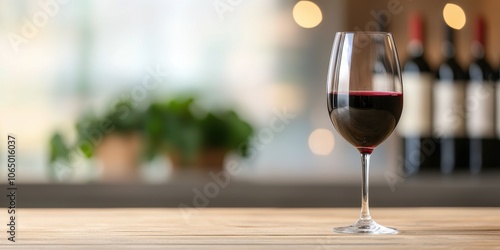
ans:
(118, 156)
(209, 159)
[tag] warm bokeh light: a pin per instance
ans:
(291, 96)
(307, 14)
(454, 16)
(321, 141)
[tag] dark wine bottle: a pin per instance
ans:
(480, 100)
(496, 161)
(497, 108)
(415, 126)
(449, 110)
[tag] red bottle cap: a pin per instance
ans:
(416, 28)
(479, 30)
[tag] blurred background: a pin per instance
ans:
(86, 83)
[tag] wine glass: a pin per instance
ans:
(365, 100)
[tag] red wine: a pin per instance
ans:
(415, 127)
(365, 118)
(481, 92)
(449, 110)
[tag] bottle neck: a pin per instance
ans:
(478, 50)
(478, 47)
(448, 49)
(448, 44)
(416, 48)
(416, 35)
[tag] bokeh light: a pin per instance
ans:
(307, 14)
(321, 141)
(454, 16)
(291, 96)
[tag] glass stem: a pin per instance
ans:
(365, 209)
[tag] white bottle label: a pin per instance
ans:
(416, 117)
(480, 109)
(449, 109)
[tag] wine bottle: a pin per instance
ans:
(415, 125)
(497, 116)
(496, 162)
(449, 110)
(480, 100)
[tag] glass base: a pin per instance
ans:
(366, 227)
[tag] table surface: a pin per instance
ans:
(251, 228)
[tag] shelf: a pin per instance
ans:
(419, 191)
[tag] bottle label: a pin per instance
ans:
(415, 120)
(449, 109)
(480, 109)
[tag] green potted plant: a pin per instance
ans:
(190, 140)
(114, 140)
(59, 158)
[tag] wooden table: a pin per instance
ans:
(251, 228)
